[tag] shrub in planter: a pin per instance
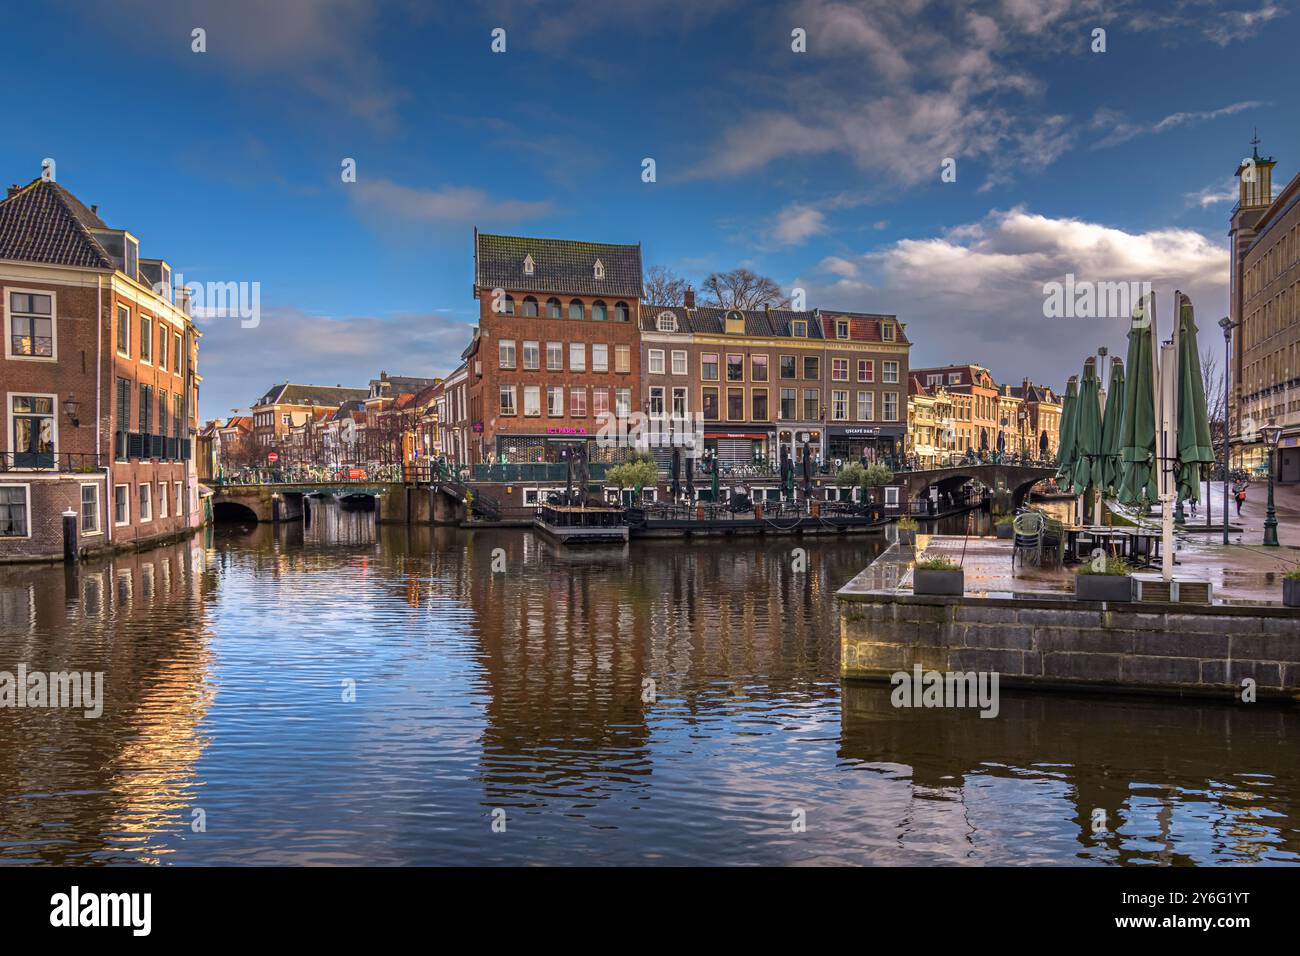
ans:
(938, 576)
(1291, 588)
(1104, 579)
(1003, 527)
(906, 530)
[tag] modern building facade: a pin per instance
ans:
(99, 381)
(1265, 237)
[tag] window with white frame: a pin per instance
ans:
(623, 402)
(90, 509)
(866, 406)
(555, 401)
(532, 401)
(656, 401)
(532, 356)
(176, 486)
(33, 431)
(840, 404)
(679, 361)
(622, 359)
(146, 503)
(31, 331)
(121, 504)
(599, 358)
(577, 356)
(655, 361)
(15, 511)
(577, 403)
(506, 353)
(162, 499)
(555, 356)
(889, 406)
(507, 400)
(146, 338)
(123, 330)
(679, 401)
(889, 373)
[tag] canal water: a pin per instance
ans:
(337, 694)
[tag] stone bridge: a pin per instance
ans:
(395, 501)
(1015, 479)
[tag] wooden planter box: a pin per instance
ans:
(1291, 592)
(932, 581)
(1103, 587)
(907, 536)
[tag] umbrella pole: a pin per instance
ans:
(1167, 442)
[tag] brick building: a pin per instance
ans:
(1265, 237)
(556, 346)
(287, 405)
(975, 404)
(99, 381)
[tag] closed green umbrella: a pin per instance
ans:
(1087, 431)
(1112, 424)
(1065, 445)
(1194, 446)
(1137, 450)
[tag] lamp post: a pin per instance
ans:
(1227, 325)
(1270, 433)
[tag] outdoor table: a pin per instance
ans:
(1145, 545)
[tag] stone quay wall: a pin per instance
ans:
(1161, 648)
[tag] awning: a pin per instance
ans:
(865, 431)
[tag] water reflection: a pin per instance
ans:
(332, 692)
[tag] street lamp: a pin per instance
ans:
(1227, 325)
(1270, 433)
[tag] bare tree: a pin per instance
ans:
(664, 287)
(742, 289)
(1212, 380)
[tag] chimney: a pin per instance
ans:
(94, 208)
(689, 301)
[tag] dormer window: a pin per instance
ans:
(800, 328)
(841, 328)
(887, 331)
(666, 322)
(528, 265)
(599, 270)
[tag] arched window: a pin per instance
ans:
(510, 305)
(666, 321)
(599, 311)
(575, 309)
(530, 307)
(553, 308)
(620, 312)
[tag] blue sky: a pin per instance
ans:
(820, 169)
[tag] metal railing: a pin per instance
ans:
(535, 471)
(63, 462)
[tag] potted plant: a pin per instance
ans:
(1291, 588)
(1004, 526)
(907, 530)
(1104, 578)
(938, 576)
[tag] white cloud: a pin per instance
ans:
(239, 363)
(385, 202)
(1121, 131)
(975, 292)
(797, 223)
(1213, 194)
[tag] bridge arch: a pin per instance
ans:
(223, 511)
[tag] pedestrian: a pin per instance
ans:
(1241, 498)
(1192, 504)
